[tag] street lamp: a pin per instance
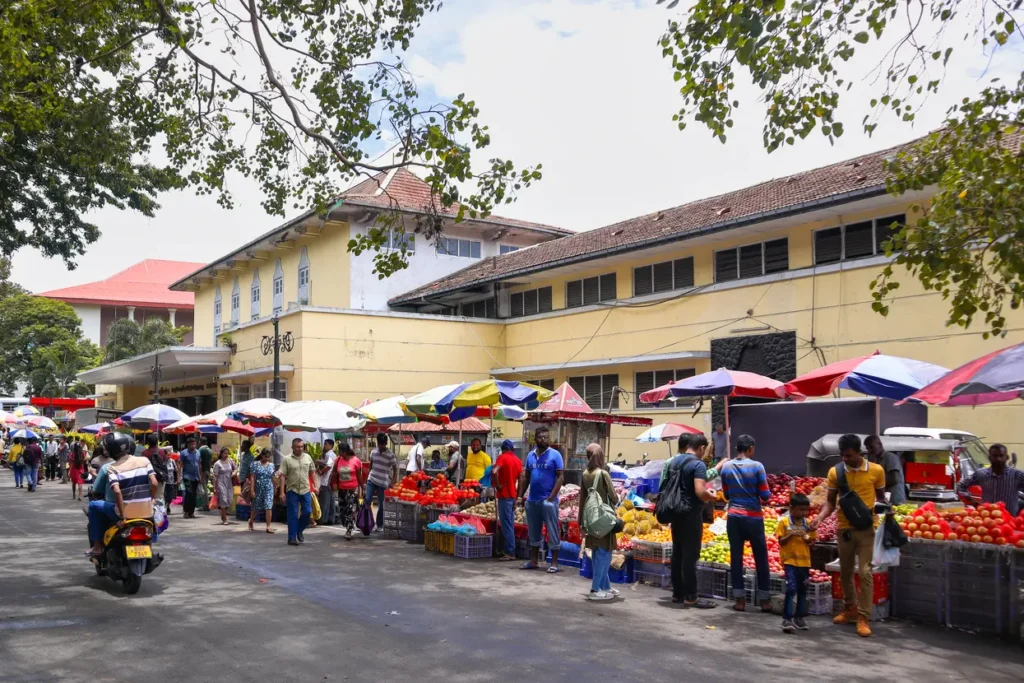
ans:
(274, 345)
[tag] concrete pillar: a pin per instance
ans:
(171, 312)
(131, 313)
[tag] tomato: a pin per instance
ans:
(975, 538)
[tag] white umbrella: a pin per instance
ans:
(387, 411)
(254, 407)
(152, 414)
(324, 416)
(24, 434)
(39, 422)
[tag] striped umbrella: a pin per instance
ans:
(39, 422)
(25, 411)
(459, 401)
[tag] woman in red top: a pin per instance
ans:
(346, 479)
(504, 478)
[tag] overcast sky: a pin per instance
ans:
(579, 86)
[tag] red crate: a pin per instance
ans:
(881, 585)
(926, 473)
(572, 534)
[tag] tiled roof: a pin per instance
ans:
(405, 190)
(144, 284)
(469, 425)
(799, 192)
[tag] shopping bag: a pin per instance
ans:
(894, 534)
(364, 520)
(315, 516)
(884, 557)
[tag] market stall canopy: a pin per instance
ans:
(193, 425)
(389, 411)
(461, 400)
(721, 382)
(993, 378)
(507, 413)
(567, 404)
(24, 434)
(876, 375)
(25, 411)
(469, 425)
(323, 416)
(253, 410)
(669, 431)
(176, 364)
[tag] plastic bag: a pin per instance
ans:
(160, 517)
(894, 534)
(884, 557)
(364, 520)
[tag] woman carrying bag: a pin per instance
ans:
(596, 523)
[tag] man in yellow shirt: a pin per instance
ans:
(477, 461)
(17, 467)
(866, 480)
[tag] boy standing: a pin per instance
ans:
(795, 539)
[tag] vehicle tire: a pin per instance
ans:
(100, 571)
(132, 584)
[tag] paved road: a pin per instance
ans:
(230, 605)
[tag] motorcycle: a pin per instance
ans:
(128, 554)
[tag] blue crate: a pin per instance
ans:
(566, 560)
(242, 512)
(626, 574)
(653, 483)
(642, 490)
(587, 568)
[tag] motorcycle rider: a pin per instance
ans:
(109, 508)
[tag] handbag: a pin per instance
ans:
(364, 519)
(598, 516)
(857, 513)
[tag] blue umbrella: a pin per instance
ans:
(96, 428)
(24, 434)
(154, 414)
(876, 375)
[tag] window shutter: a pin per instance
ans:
(859, 241)
(609, 287)
(592, 391)
(609, 397)
(683, 273)
(530, 302)
(828, 246)
(663, 277)
(642, 280)
(661, 378)
(776, 256)
(577, 385)
(490, 308)
(725, 265)
(885, 228)
(544, 300)
(573, 294)
(548, 384)
(644, 382)
(516, 305)
(474, 249)
(750, 261)
(591, 290)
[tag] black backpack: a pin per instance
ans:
(857, 513)
(675, 499)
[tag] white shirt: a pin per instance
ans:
(51, 448)
(329, 458)
(417, 450)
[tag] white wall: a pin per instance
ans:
(90, 315)
(425, 265)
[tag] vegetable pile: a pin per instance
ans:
(988, 523)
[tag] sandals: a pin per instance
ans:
(553, 569)
(529, 565)
(700, 604)
(271, 531)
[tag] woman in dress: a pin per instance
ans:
(261, 481)
(347, 480)
(223, 470)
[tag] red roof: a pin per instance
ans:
(469, 425)
(144, 284)
(565, 400)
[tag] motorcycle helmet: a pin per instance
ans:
(117, 443)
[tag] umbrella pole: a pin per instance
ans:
(878, 417)
(728, 436)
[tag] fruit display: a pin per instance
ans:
(818, 495)
(642, 525)
(715, 552)
(782, 486)
(828, 528)
(439, 492)
(568, 513)
(489, 510)
(818, 576)
(988, 523)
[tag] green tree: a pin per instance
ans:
(8, 288)
(55, 367)
(28, 324)
(126, 338)
(105, 103)
(969, 241)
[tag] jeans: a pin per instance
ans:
(170, 493)
(327, 498)
(51, 468)
(375, 491)
(188, 504)
(602, 561)
(544, 512)
(300, 507)
(507, 517)
(796, 587)
(741, 530)
(32, 475)
(19, 474)
(101, 515)
(686, 535)
(855, 557)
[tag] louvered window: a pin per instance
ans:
(597, 390)
(530, 302)
(725, 265)
(663, 277)
(645, 381)
(485, 308)
(776, 256)
(590, 291)
(854, 241)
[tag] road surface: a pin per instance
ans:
(231, 605)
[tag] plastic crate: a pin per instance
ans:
(408, 513)
(649, 551)
(566, 560)
(439, 542)
(822, 554)
(473, 547)
(625, 574)
(242, 512)
(919, 582)
(713, 582)
(652, 567)
(651, 579)
(819, 598)
(977, 586)
(432, 514)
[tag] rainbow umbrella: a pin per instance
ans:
(24, 434)
(25, 411)
(459, 401)
(97, 428)
(153, 415)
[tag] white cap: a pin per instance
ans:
(454, 444)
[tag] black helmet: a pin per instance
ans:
(117, 444)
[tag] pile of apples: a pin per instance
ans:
(818, 576)
(782, 486)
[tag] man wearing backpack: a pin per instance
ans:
(854, 486)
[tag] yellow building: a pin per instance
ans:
(772, 278)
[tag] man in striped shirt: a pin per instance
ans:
(745, 486)
(999, 483)
(127, 485)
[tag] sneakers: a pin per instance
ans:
(292, 541)
(600, 595)
(299, 538)
(788, 626)
(348, 535)
(847, 616)
(801, 624)
(863, 628)
(612, 592)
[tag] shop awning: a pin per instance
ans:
(256, 372)
(176, 364)
(603, 362)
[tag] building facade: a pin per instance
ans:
(773, 279)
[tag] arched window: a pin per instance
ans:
(254, 294)
(236, 303)
(216, 315)
(278, 287)
(304, 283)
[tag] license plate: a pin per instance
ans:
(138, 552)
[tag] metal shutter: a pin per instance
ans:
(663, 277)
(544, 300)
(683, 273)
(573, 294)
(885, 228)
(859, 241)
(530, 302)
(828, 246)
(725, 265)
(591, 290)
(751, 264)
(644, 383)
(609, 290)
(577, 385)
(609, 397)
(490, 308)
(516, 305)
(776, 256)
(642, 281)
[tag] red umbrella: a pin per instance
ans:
(993, 378)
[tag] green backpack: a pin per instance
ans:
(598, 517)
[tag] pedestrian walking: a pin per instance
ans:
(63, 455)
(190, 461)
(261, 482)
(51, 459)
(205, 467)
(77, 468)
(544, 472)
(172, 483)
(866, 481)
(346, 479)
(745, 487)
(325, 494)
(383, 473)
(597, 479)
(33, 457)
(505, 478)
(223, 482)
(296, 469)
(795, 538)
(17, 461)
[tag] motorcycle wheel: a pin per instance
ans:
(100, 571)
(132, 584)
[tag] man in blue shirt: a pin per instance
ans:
(545, 472)
(190, 469)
